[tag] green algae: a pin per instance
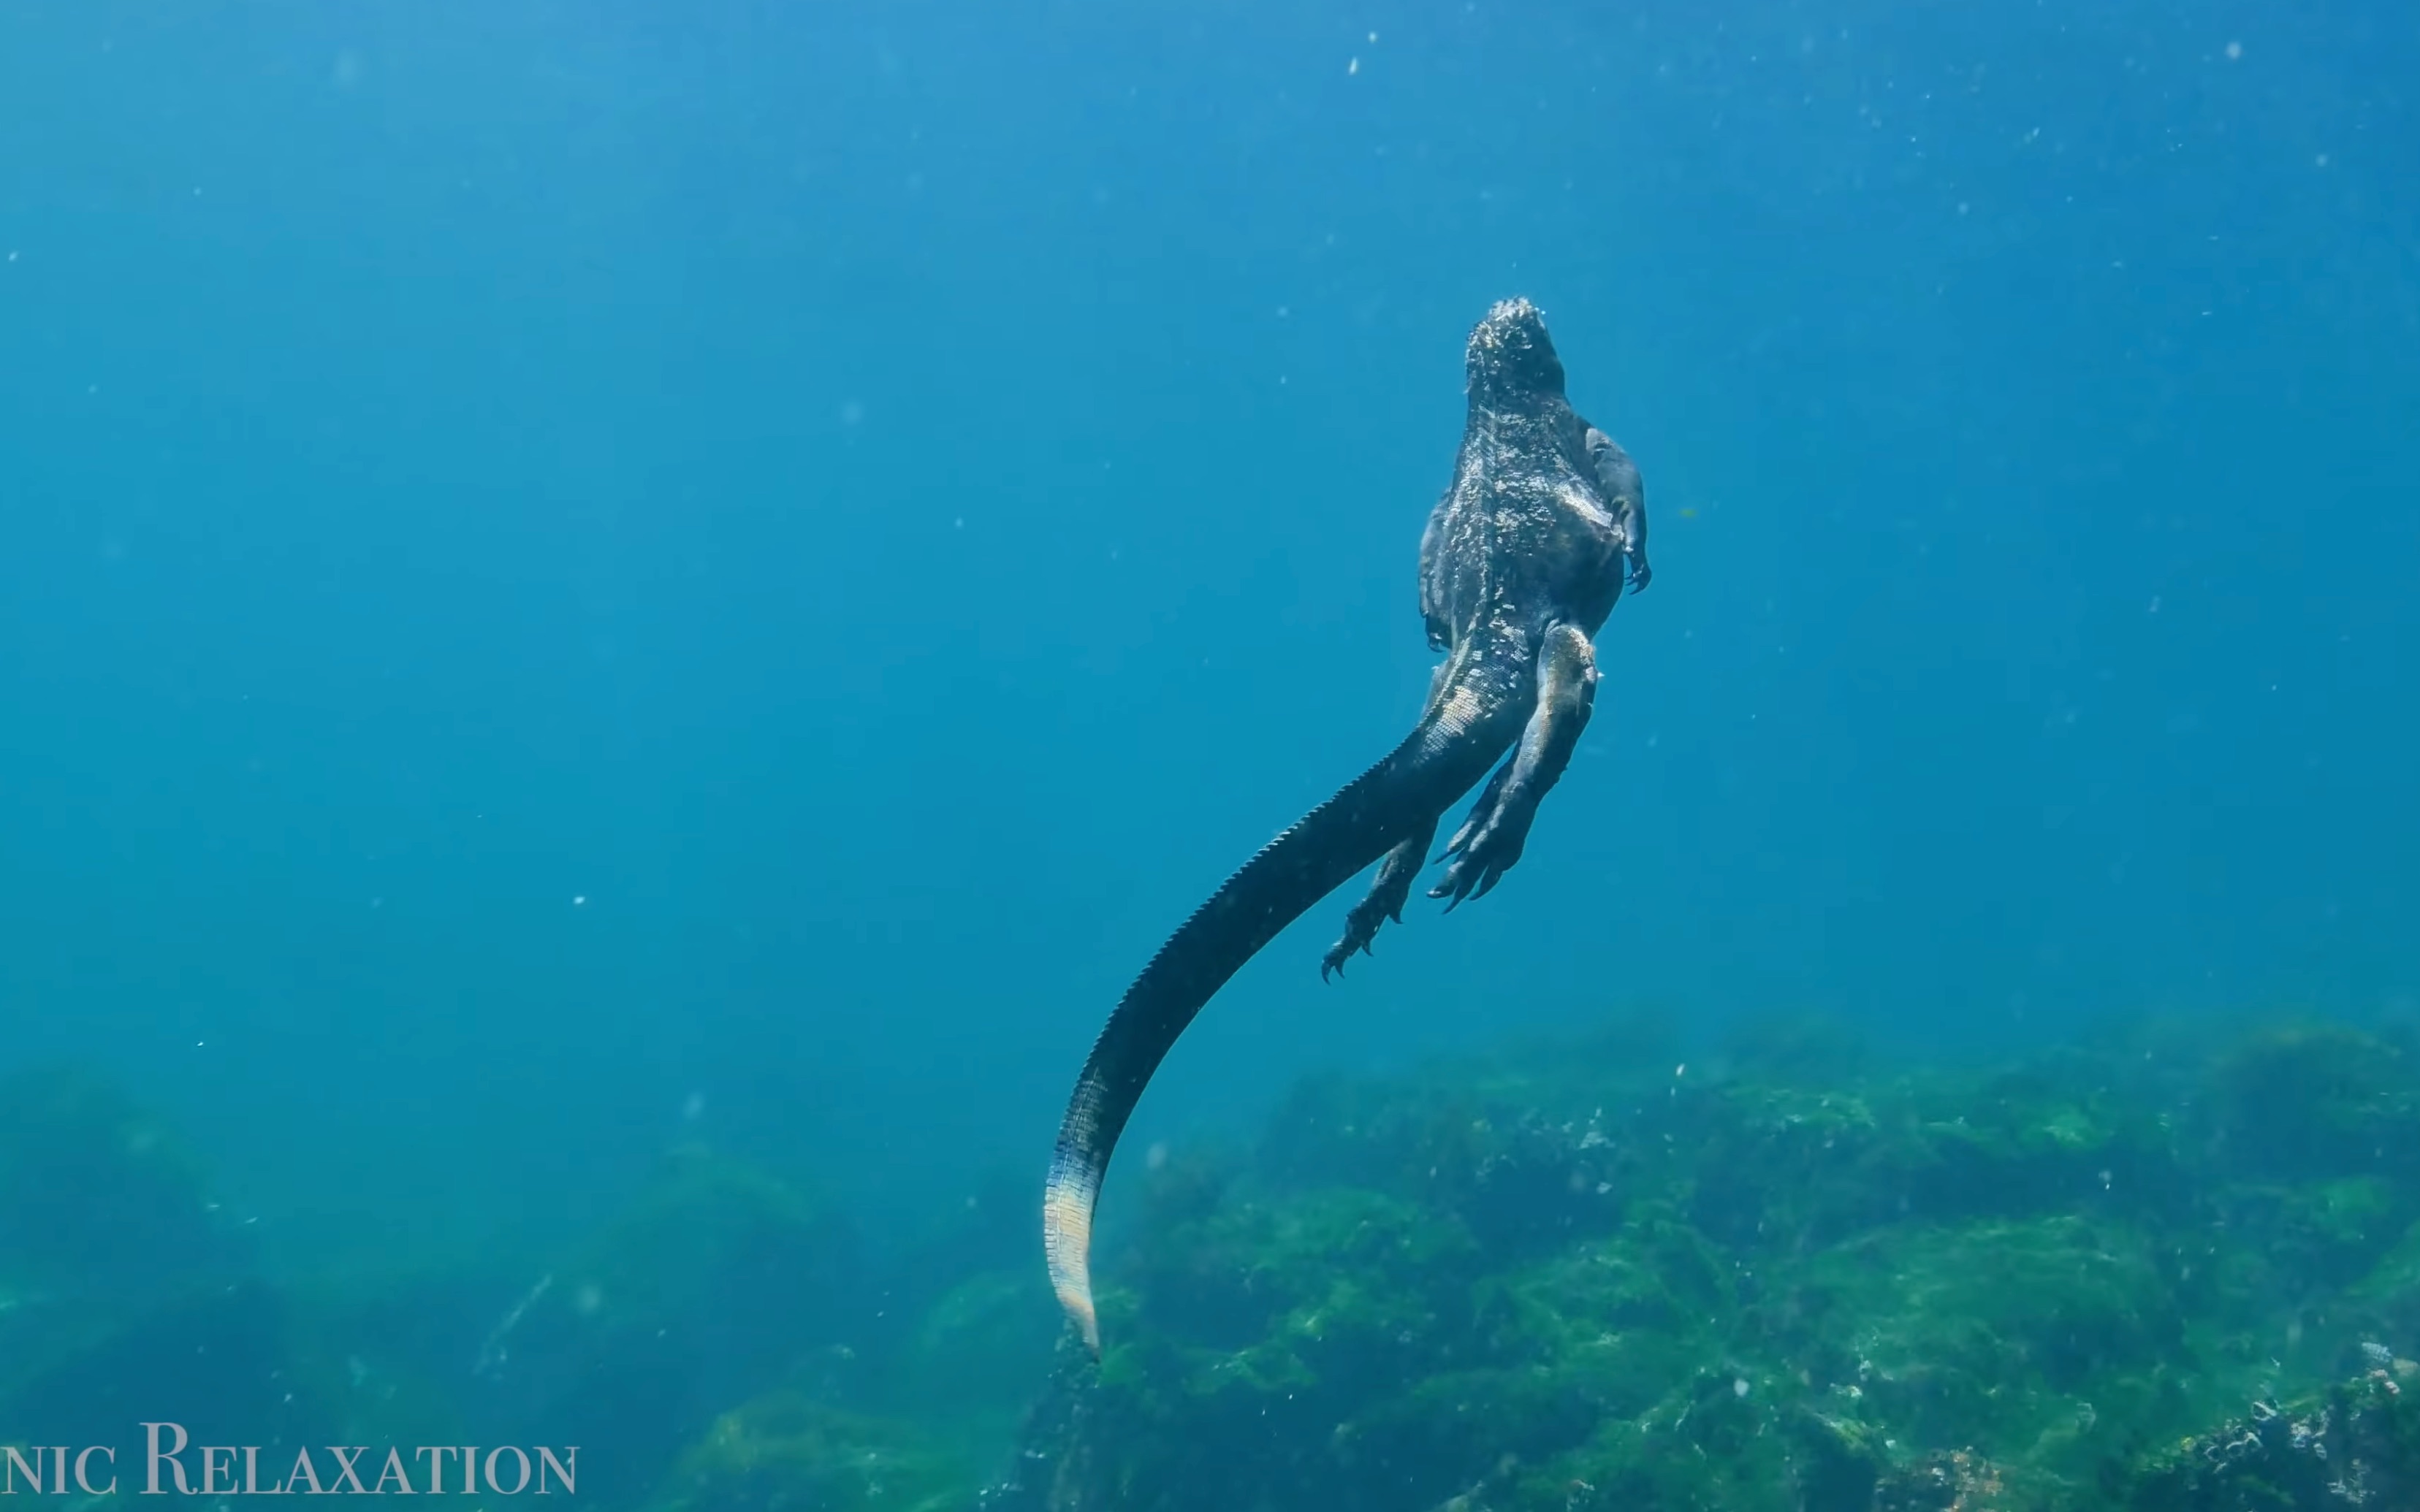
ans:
(789, 1451)
(2013, 1337)
(982, 1342)
(2317, 1100)
(2136, 1277)
(2354, 1442)
(1805, 1283)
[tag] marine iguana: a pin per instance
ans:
(1523, 560)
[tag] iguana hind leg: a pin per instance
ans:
(1482, 807)
(1491, 840)
(1392, 886)
(1384, 901)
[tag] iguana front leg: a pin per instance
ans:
(1632, 515)
(1490, 841)
(1617, 477)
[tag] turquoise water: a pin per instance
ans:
(583, 580)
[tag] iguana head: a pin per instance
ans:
(1510, 357)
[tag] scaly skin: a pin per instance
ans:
(1523, 560)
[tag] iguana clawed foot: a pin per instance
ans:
(1488, 842)
(1384, 901)
(1360, 928)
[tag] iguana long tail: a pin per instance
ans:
(1477, 713)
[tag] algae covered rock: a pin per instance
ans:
(788, 1452)
(2133, 1278)
(1557, 1350)
(126, 1289)
(717, 1283)
(2383, 1306)
(1956, 1480)
(2318, 1101)
(1816, 1285)
(1253, 1338)
(2010, 1335)
(1791, 1166)
(1348, 1280)
(2309, 1137)
(978, 1349)
(104, 1204)
(2357, 1443)
(214, 1362)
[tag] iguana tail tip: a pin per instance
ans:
(1068, 1236)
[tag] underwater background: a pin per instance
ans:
(620, 623)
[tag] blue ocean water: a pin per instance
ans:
(577, 576)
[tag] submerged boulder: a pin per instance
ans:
(105, 1206)
(789, 1451)
(126, 1289)
(2355, 1444)
(720, 1282)
(1815, 1284)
